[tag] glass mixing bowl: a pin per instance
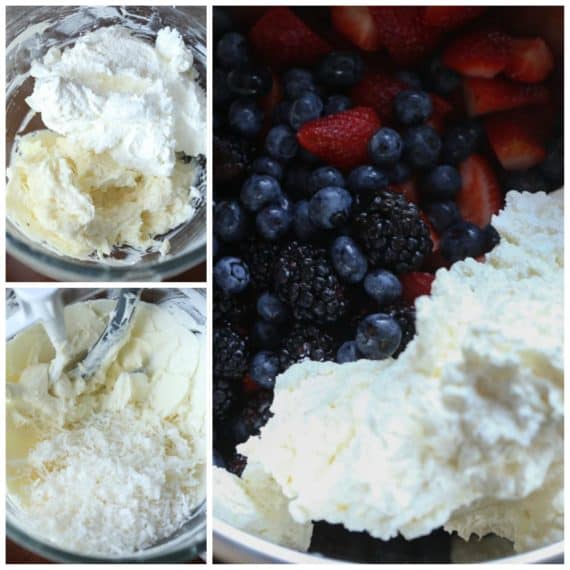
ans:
(30, 32)
(188, 542)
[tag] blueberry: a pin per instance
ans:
(378, 336)
(281, 143)
(385, 147)
(340, 69)
(462, 240)
(442, 183)
(258, 191)
(273, 222)
(422, 146)
(232, 50)
(440, 78)
(230, 221)
(398, 173)
(265, 335)
(366, 178)
(267, 165)
(250, 80)
(271, 309)
(553, 166)
(231, 275)
(223, 22)
(298, 81)
(383, 286)
(218, 460)
(280, 114)
(348, 260)
(264, 368)
(304, 229)
(462, 140)
(410, 78)
(216, 246)
(222, 93)
(412, 107)
(442, 215)
(347, 352)
(330, 207)
(323, 177)
(491, 238)
(336, 104)
(245, 118)
(307, 107)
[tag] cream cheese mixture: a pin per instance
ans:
(113, 464)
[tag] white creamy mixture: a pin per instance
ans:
(114, 464)
(122, 108)
(465, 428)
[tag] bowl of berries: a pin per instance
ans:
(362, 155)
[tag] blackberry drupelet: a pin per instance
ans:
(306, 342)
(230, 353)
(260, 257)
(231, 308)
(405, 316)
(306, 281)
(254, 415)
(224, 398)
(232, 156)
(391, 231)
(236, 464)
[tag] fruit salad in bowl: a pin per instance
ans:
(388, 283)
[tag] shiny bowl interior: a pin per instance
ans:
(61, 25)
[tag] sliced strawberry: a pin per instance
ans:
(484, 96)
(480, 196)
(341, 139)
(356, 24)
(478, 54)
(404, 32)
(442, 109)
(282, 39)
(539, 122)
(377, 90)
(515, 146)
(408, 189)
(530, 61)
(449, 17)
(415, 285)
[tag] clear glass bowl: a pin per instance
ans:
(30, 32)
(188, 542)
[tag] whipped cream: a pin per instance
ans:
(465, 428)
(113, 92)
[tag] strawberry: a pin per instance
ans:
(377, 90)
(448, 17)
(408, 189)
(513, 143)
(530, 61)
(478, 54)
(480, 196)
(356, 24)
(404, 32)
(416, 284)
(442, 109)
(341, 139)
(484, 96)
(282, 39)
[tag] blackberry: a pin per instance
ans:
(254, 415)
(405, 316)
(306, 342)
(231, 158)
(236, 464)
(260, 257)
(231, 308)
(391, 231)
(224, 398)
(230, 353)
(307, 282)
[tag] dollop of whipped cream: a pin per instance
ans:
(115, 92)
(465, 428)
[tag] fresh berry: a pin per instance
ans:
(340, 69)
(398, 173)
(265, 335)
(422, 146)
(336, 104)
(412, 107)
(306, 342)
(383, 286)
(553, 166)
(254, 416)
(304, 229)
(461, 140)
(348, 260)
(280, 143)
(231, 353)
(385, 147)
(449, 17)
(231, 308)
(415, 284)
(342, 139)
(405, 316)
(347, 352)
(282, 39)
(441, 183)
(442, 110)
(366, 178)
(297, 82)
(330, 207)
(230, 221)
(250, 80)
(491, 238)
(245, 118)
(232, 50)
(410, 78)
(442, 215)
(258, 191)
(271, 308)
(377, 90)
(440, 78)
(357, 25)
(530, 60)
(378, 336)
(308, 158)
(273, 222)
(408, 189)
(260, 257)
(231, 275)
(264, 368)
(307, 107)
(225, 397)
(484, 96)
(236, 464)
(478, 54)
(323, 177)
(462, 240)
(231, 158)
(480, 196)
(307, 283)
(268, 166)
(218, 460)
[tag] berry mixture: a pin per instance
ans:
(356, 151)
